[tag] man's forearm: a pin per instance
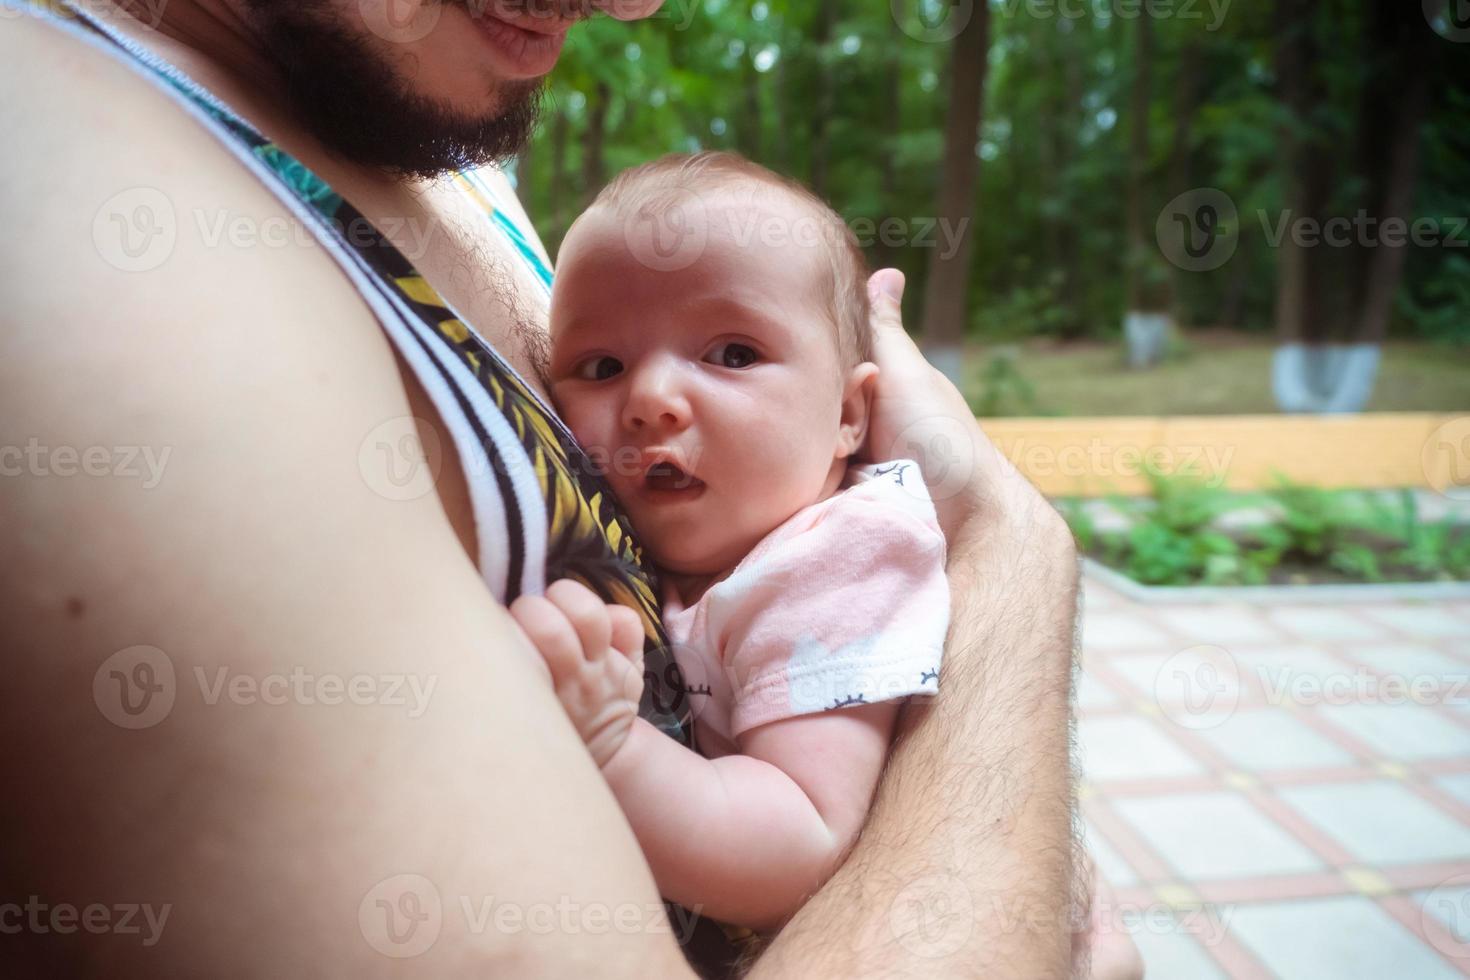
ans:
(965, 865)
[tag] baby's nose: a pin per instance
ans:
(655, 400)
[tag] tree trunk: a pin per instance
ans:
(523, 176)
(751, 136)
(561, 193)
(1232, 302)
(1138, 162)
(1299, 314)
(1075, 285)
(778, 105)
(884, 254)
(947, 289)
(1058, 125)
(1397, 103)
(594, 171)
(826, 96)
(1186, 106)
(1146, 322)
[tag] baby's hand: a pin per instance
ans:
(594, 651)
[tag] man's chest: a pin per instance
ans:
(451, 236)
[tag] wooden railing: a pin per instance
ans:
(1095, 456)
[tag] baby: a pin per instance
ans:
(710, 348)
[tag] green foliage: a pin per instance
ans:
(1315, 521)
(1023, 312)
(1175, 538)
(1438, 549)
(1003, 389)
(1438, 311)
(1184, 503)
(1048, 231)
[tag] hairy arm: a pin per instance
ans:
(966, 865)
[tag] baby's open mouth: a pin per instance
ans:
(668, 476)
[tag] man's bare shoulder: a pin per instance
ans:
(115, 195)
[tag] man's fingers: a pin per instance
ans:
(885, 296)
(586, 612)
(893, 349)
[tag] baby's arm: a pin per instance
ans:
(744, 838)
(747, 838)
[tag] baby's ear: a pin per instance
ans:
(857, 401)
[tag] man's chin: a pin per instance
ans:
(343, 89)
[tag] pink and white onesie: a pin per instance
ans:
(845, 603)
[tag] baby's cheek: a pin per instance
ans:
(590, 433)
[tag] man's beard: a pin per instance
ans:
(351, 99)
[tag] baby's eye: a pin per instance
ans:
(734, 355)
(598, 368)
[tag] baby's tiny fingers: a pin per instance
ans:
(551, 633)
(627, 630)
(586, 612)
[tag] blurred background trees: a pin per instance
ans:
(1057, 135)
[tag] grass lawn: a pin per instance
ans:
(1214, 373)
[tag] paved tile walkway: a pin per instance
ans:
(1281, 791)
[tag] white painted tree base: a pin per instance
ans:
(1147, 337)
(1324, 378)
(950, 361)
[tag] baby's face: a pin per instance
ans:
(727, 369)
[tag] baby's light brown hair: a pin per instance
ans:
(663, 183)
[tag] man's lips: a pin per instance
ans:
(531, 44)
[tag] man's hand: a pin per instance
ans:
(919, 414)
(594, 651)
(965, 867)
